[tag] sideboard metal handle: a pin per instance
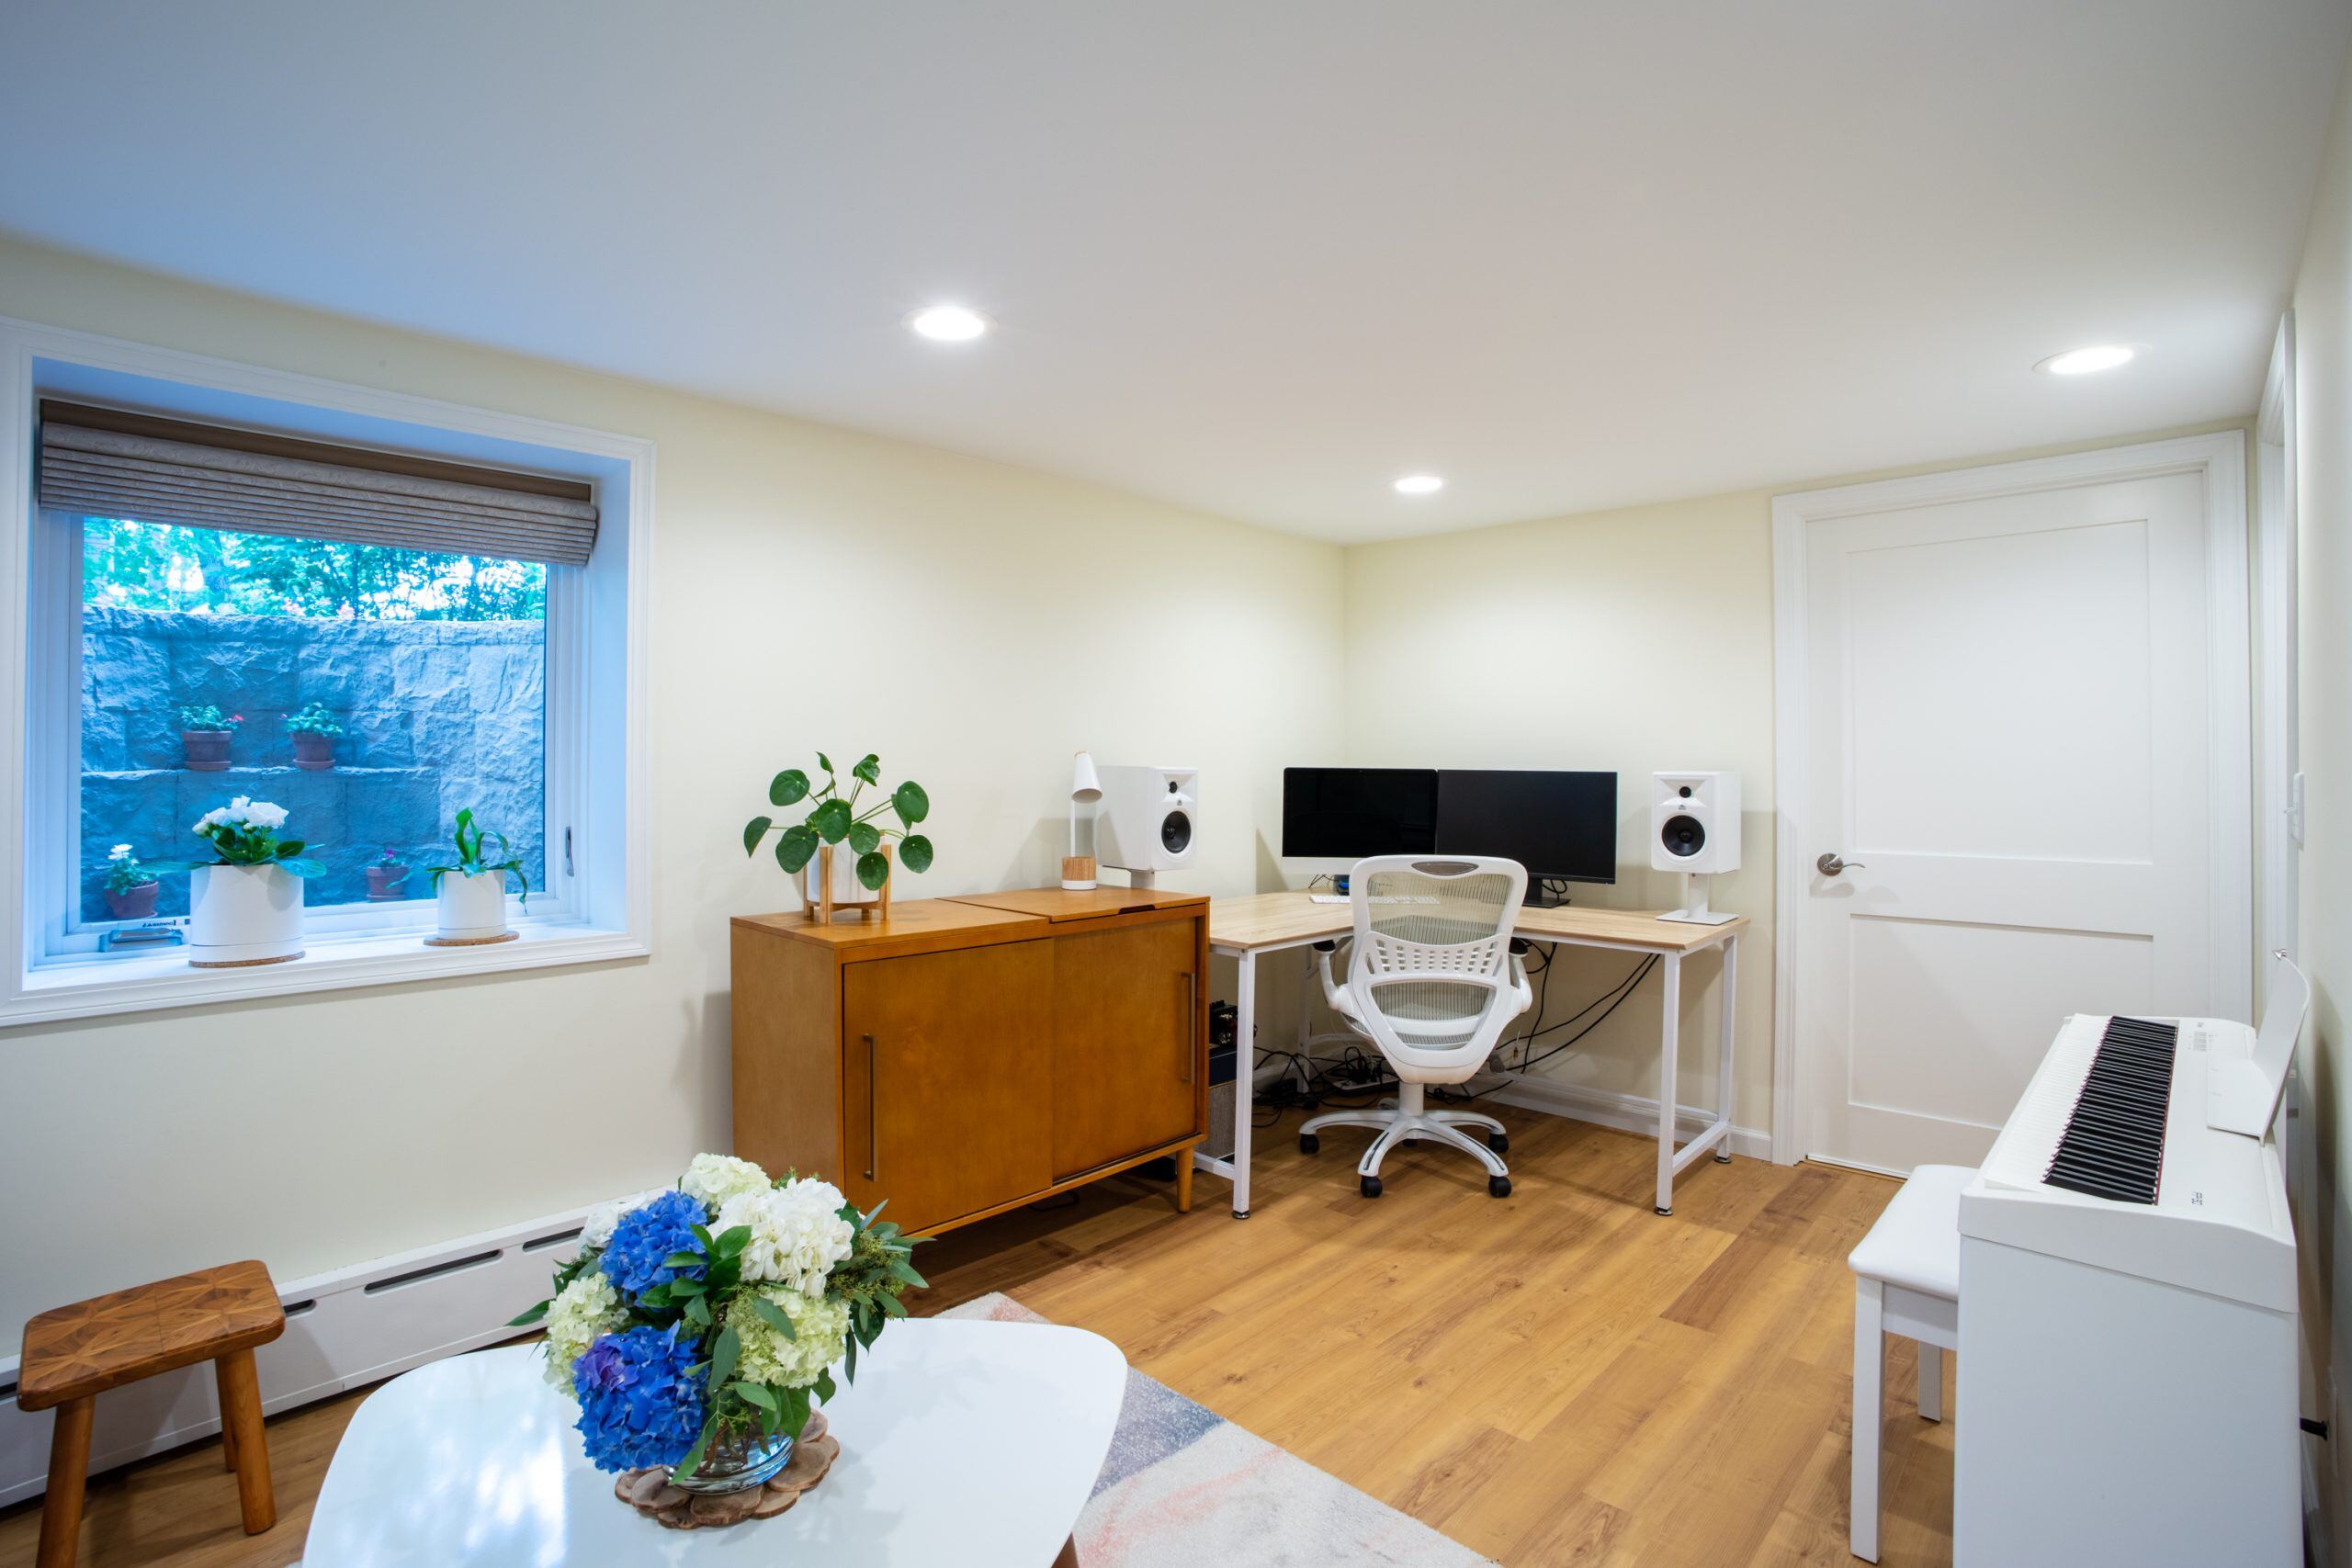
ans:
(1192, 1019)
(872, 1096)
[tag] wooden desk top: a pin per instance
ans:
(1286, 920)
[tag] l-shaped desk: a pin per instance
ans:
(1243, 929)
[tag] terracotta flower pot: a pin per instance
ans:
(313, 752)
(134, 903)
(208, 750)
(239, 915)
(384, 883)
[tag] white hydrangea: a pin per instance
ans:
(583, 1310)
(714, 1178)
(822, 1330)
(598, 1229)
(797, 1234)
(243, 812)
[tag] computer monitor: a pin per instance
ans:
(1349, 813)
(1560, 826)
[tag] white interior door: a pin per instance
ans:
(2011, 734)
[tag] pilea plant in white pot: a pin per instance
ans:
(806, 847)
(245, 907)
(470, 897)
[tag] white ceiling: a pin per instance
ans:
(1258, 258)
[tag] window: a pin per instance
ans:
(372, 692)
(370, 609)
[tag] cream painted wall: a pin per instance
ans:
(1014, 618)
(2323, 501)
(1633, 640)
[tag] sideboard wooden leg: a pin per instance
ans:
(1067, 1556)
(241, 1412)
(68, 1467)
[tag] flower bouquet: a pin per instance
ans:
(699, 1324)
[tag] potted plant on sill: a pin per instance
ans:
(385, 874)
(130, 888)
(204, 737)
(313, 731)
(832, 881)
(244, 906)
(471, 895)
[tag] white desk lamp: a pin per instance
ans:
(1085, 789)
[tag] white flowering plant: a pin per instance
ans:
(245, 832)
(712, 1313)
(125, 871)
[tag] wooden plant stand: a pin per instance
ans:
(822, 909)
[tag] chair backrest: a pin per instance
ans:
(1432, 965)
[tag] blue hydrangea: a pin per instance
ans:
(648, 1235)
(638, 1406)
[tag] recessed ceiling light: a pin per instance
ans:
(948, 324)
(2087, 361)
(1419, 484)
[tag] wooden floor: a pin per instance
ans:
(1560, 1378)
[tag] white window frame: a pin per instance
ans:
(596, 905)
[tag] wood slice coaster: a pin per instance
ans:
(651, 1494)
(239, 962)
(472, 941)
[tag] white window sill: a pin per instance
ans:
(95, 986)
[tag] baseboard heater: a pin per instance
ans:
(344, 1330)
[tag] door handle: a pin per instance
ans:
(1830, 865)
(873, 1094)
(1192, 1019)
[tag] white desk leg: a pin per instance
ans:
(1245, 1076)
(1669, 1079)
(1730, 1001)
(1869, 1373)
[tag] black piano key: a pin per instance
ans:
(2113, 1143)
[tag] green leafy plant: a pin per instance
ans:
(833, 817)
(206, 716)
(124, 872)
(474, 855)
(312, 721)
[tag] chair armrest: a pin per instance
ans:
(1338, 998)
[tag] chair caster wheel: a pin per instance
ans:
(1499, 1142)
(1665, 1211)
(1498, 1185)
(1723, 1159)
(1369, 1186)
(1309, 1144)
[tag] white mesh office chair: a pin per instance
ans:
(1432, 982)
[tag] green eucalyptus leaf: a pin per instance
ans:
(892, 1305)
(698, 1309)
(869, 768)
(531, 1317)
(682, 1258)
(694, 1455)
(913, 803)
(724, 1355)
(832, 820)
(732, 1241)
(796, 847)
(753, 831)
(788, 787)
(873, 871)
(775, 1316)
(849, 1360)
(865, 837)
(915, 852)
(753, 1393)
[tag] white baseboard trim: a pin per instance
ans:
(344, 1330)
(1632, 1113)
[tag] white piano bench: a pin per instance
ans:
(1906, 1282)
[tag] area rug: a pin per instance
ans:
(1183, 1487)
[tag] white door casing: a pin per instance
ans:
(2014, 700)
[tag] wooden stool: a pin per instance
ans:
(1906, 1282)
(75, 1353)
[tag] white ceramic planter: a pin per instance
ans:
(239, 915)
(471, 909)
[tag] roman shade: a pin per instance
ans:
(114, 463)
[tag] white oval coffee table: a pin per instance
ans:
(975, 1444)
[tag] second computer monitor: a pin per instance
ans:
(1560, 826)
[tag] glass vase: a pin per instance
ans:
(734, 1462)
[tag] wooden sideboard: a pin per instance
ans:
(968, 1055)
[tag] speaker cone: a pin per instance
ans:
(1175, 832)
(1683, 836)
